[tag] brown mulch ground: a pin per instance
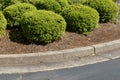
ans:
(105, 32)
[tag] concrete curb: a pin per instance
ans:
(106, 47)
(45, 57)
(58, 56)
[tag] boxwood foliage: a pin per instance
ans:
(14, 12)
(80, 18)
(5, 3)
(76, 1)
(54, 5)
(107, 9)
(42, 26)
(34, 2)
(0, 6)
(3, 23)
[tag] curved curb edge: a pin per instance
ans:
(58, 56)
(45, 59)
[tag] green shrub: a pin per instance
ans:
(14, 12)
(107, 9)
(42, 26)
(80, 18)
(34, 2)
(63, 3)
(76, 1)
(54, 5)
(1, 7)
(5, 3)
(3, 23)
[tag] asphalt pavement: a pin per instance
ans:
(108, 70)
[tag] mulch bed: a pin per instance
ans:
(12, 42)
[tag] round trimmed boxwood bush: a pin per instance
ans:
(14, 12)
(107, 9)
(3, 23)
(42, 26)
(54, 5)
(80, 18)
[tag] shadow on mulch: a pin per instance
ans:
(16, 35)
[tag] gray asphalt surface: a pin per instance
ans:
(109, 70)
